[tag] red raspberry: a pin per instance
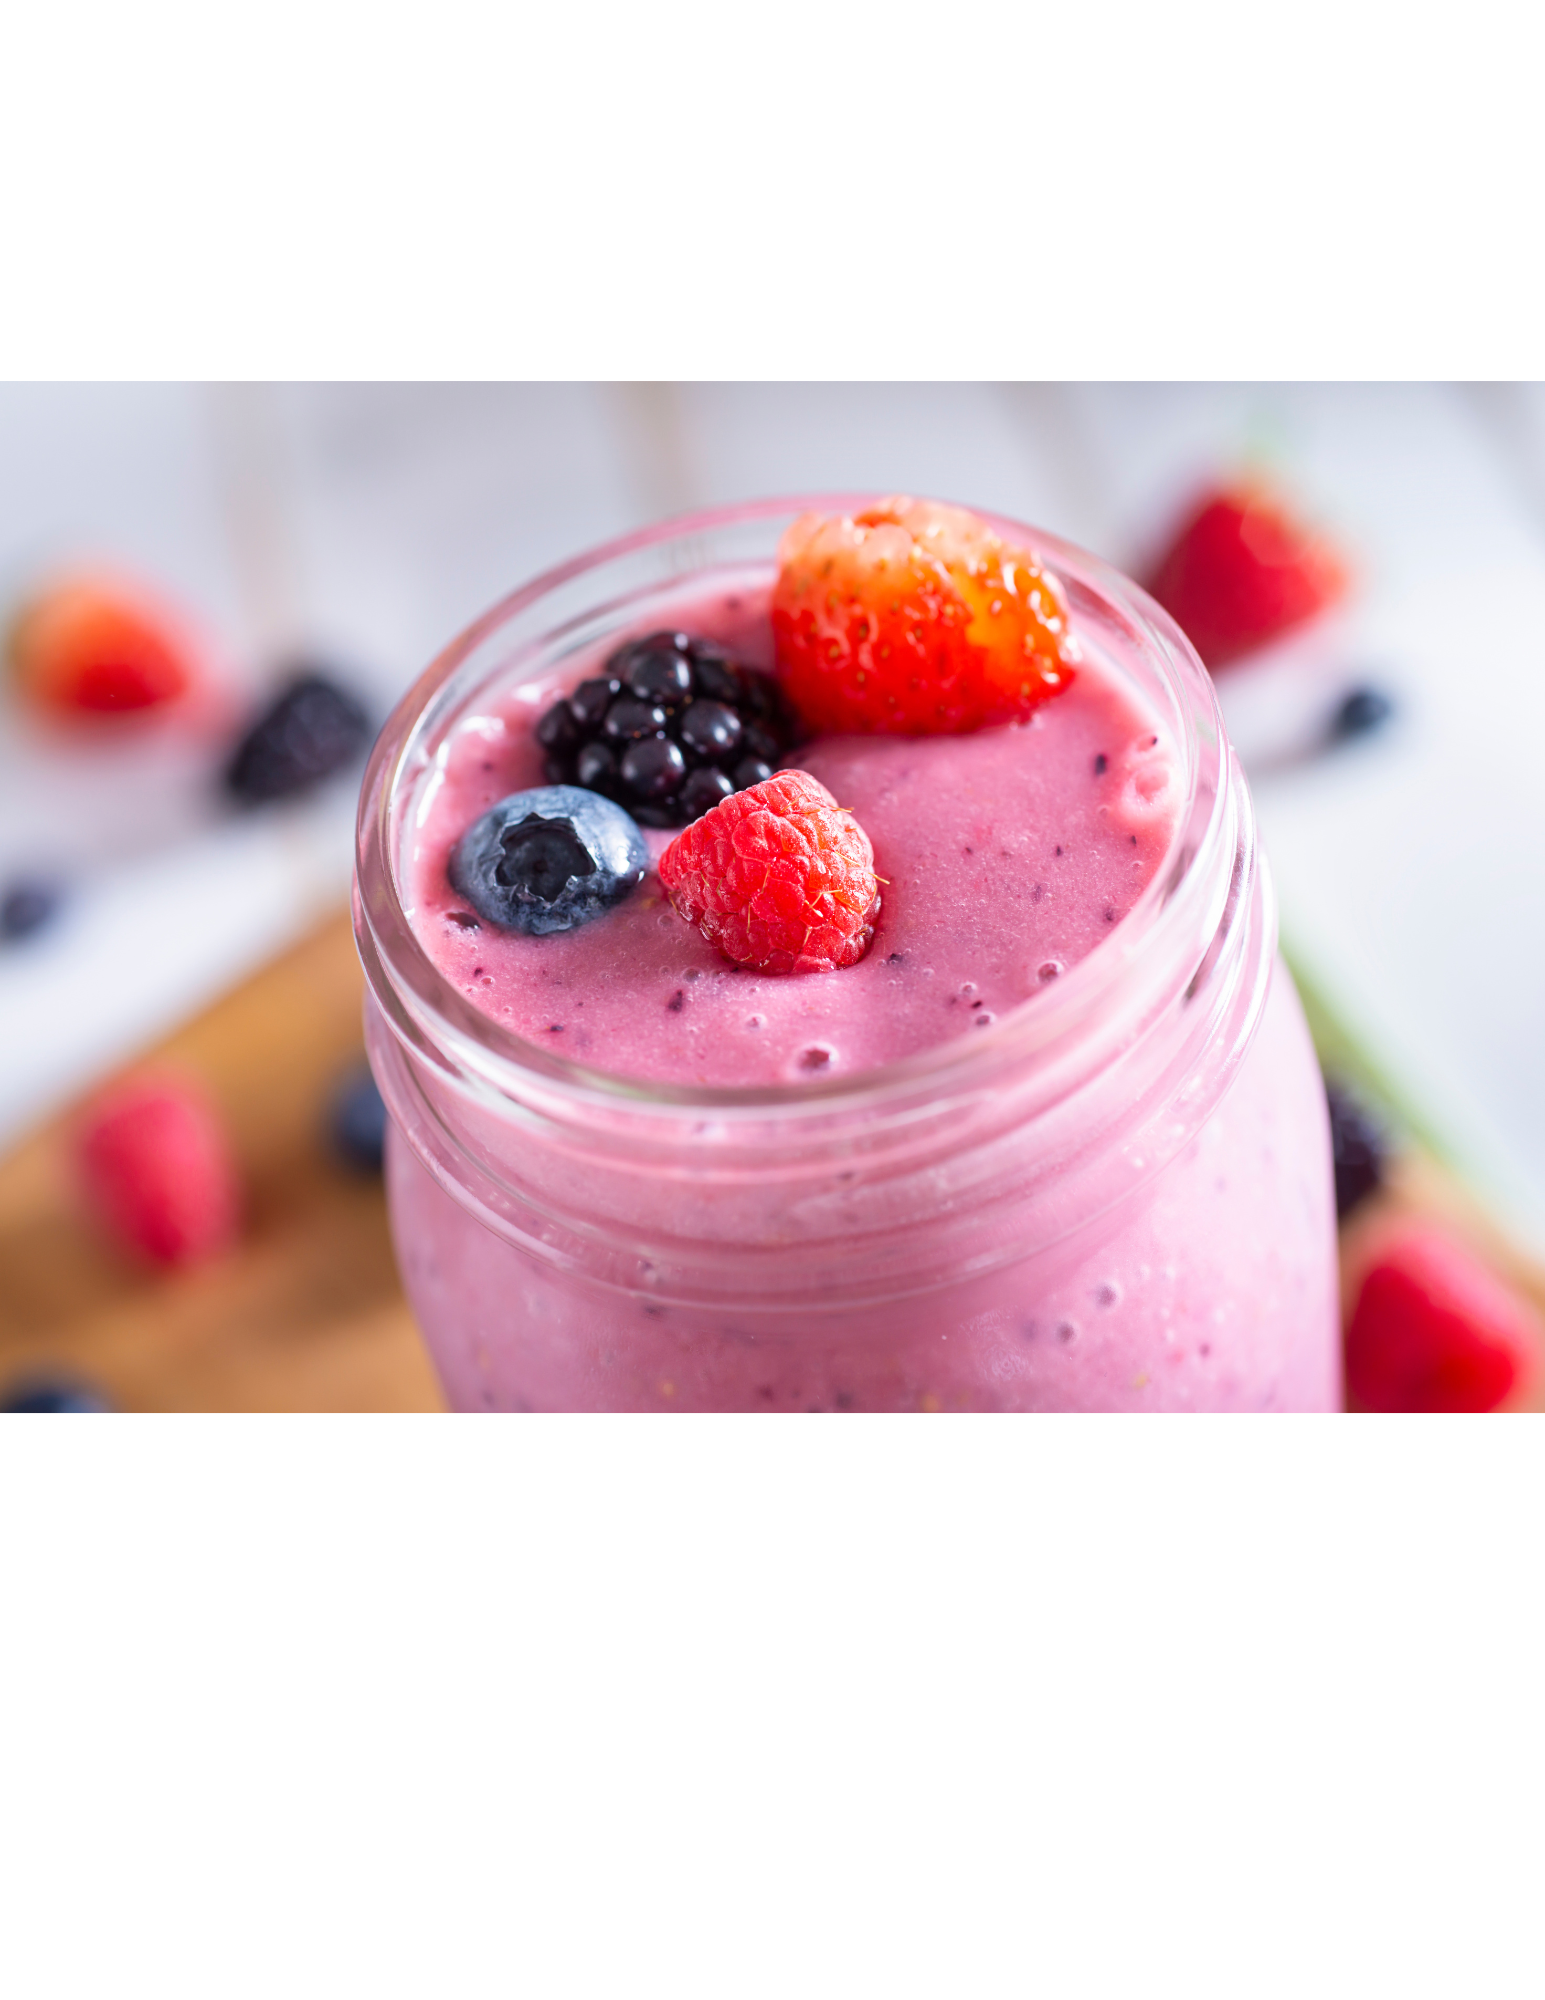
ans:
(779, 877)
(914, 619)
(1434, 1329)
(88, 646)
(1241, 571)
(158, 1171)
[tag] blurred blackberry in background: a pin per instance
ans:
(310, 730)
(673, 726)
(1357, 1150)
(26, 906)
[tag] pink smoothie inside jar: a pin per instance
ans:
(1006, 857)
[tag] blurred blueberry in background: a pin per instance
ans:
(1364, 710)
(358, 1122)
(52, 1395)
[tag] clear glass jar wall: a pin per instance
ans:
(1117, 1198)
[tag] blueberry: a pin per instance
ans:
(558, 731)
(751, 771)
(703, 791)
(590, 701)
(548, 859)
(26, 907)
(1357, 1151)
(596, 767)
(52, 1395)
(710, 730)
(652, 769)
(358, 1124)
(312, 729)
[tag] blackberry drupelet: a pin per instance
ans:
(672, 727)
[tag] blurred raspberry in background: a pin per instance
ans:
(158, 1171)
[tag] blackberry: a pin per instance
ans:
(589, 702)
(717, 678)
(703, 791)
(596, 767)
(628, 719)
(672, 726)
(711, 730)
(656, 669)
(760, 739)
(652, 770)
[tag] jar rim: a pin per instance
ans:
(1166, 932)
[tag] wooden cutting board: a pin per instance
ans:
(306, 1313)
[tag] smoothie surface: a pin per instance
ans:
(1005, 856)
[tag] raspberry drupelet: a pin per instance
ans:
(779, 877)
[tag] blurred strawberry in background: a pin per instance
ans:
(97, 646)
(1434, 1329)
(1242, 570)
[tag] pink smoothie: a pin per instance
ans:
(1006, 856)
(1158, 1236)
(1215, 1291)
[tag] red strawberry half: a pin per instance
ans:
(1434, 1329)
(914, 619)
(1242, 571)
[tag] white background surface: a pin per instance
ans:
(368, 523)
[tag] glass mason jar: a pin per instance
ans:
(1117, 1198)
